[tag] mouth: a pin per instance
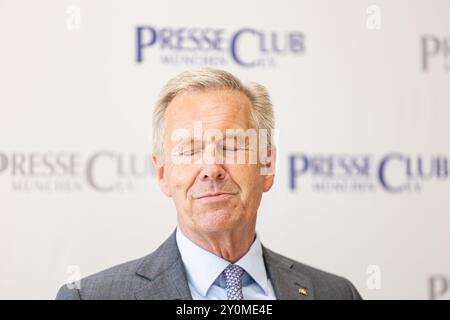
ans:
(214, 196)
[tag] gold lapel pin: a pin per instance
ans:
(303, 291)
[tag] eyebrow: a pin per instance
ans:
(185, 141)
(234, 135)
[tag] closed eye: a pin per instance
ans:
(189, 152)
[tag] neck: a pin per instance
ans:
(230, 245)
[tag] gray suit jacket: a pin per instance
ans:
(161, 275)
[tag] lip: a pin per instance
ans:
(214, 196)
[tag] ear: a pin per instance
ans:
(269, 169)
(159, 171)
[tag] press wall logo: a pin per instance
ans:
(439, 287)
(435, 53)
(190, 46)
(62, 171)
(393, 172)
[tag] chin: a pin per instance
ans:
(217, 220)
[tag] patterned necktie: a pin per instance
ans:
(233, 274)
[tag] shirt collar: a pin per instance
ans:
(203, 267)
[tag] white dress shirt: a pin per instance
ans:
(204, 272)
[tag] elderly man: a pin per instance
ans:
(214, 156)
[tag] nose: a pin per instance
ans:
(212, 172)
(212, 168)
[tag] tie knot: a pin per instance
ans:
(233, 271)
(233, 274)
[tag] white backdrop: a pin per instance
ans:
(361, 91)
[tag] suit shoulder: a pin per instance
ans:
(122, 281)
(117, 282)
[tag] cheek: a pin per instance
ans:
(181, 178)
(249, 180)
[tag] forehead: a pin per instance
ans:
(217, 109)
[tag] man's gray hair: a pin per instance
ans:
(208, 78)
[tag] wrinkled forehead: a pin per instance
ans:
(213, 109)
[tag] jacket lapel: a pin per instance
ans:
(166, 274)
(288, 283)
